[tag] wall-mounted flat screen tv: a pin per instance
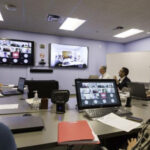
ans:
(16, 52)
(68, 56)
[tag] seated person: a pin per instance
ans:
(124, 80)
(7, 141)
(104, 74)
(143, 140)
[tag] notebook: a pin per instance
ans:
(98, 97)
(19, 91)
(138, 91)
(76, 133)
(20, 124)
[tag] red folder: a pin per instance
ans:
(74, 131)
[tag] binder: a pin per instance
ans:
(76, 133)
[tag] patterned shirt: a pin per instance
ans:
(143, 140)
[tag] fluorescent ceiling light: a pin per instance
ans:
(1, 17)
(128, 33)
(71, 24)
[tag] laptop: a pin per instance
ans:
(19, 91)
(20, 124)
(138, 91)
(98, 97)
(93, 77)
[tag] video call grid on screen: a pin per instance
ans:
(97, 94)
(16, 52)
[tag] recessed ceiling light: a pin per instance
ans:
(1, 17)
(71, 24)
(128, 33)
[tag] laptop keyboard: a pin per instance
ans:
(10, 92)
(94, 113)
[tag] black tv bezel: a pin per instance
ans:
(68, 67)
(32, 58)
(81, 107)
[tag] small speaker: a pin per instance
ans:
(60, 97)
(60, 108)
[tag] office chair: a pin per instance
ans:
(7, 141)
(43, 87)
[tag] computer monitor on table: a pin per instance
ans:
(21, 83)
(96, 93)
(19, 91)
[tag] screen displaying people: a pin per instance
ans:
(68, 56)
(96, 93)
(16, 52)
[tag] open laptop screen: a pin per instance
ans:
(96, 93)
(21, 83)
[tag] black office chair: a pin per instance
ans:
(43, 87)
(7, 141)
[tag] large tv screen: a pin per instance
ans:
(16, 52)
(65, 56)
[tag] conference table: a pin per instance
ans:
(48, 136)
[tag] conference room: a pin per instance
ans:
(38, 51)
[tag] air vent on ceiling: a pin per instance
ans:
(119, 28)
(53, 18)
(10, 7)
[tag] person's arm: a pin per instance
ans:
(131, 143)
(117, 81)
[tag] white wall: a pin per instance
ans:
(139, 45)
(137, 62)
(97, 57)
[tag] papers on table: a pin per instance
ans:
(8, 106)
(118, 122)
(11, 85)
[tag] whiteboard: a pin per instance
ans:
(138, 64)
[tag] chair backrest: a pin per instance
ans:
(44, 87)
(7, 141)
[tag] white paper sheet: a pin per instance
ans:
(119, 122)
(11, 85)
(8, 106)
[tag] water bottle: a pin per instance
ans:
(36, 101)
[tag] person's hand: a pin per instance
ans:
(117, 81)
(131, 143)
